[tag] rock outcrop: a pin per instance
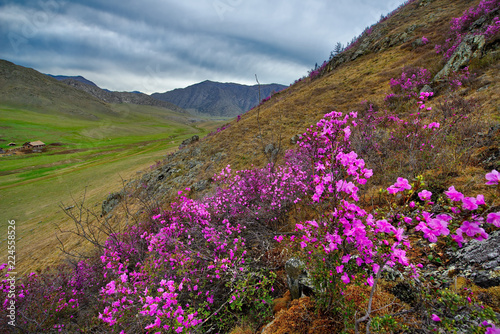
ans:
(298, 280)
(479, 261)
(471, 47)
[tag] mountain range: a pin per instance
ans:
(219, 99)
(207, 97)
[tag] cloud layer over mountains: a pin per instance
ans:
(158, 45)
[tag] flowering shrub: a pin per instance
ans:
(315, 73)
(460, 26)
(459, 78)
(57, 300)
(412, 80)
(349, 245)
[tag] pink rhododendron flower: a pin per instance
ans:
(480, 200)
(493, 177)
(433, 125)
(469, 228)
(384, 226)
(434, 317)
(425, 195)
(453, 194)
(439, 226)
(345, 278)
(469, 203)
(370, 280)
(400, 185)
(494, 219)
(492, 330)
(313, 223)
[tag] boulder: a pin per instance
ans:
(298, 280)
(110, 202)
(189, 141)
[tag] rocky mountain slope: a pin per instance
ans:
(218, 99)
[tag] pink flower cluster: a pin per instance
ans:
(410, 82)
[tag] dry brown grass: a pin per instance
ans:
(301, 318)
(490, 296)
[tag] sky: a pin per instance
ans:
(159, 45)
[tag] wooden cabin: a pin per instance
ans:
(34, 145)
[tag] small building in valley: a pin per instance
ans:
(34, 145)
(12, 144)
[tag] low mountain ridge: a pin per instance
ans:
(219, 99)
(23, 87)
(77, 78)
(120, 97)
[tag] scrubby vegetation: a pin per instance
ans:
(215, 263)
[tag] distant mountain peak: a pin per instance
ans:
(218, 99)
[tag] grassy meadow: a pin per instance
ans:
(84, 155)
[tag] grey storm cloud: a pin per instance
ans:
(158, 45)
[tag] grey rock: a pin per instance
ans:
(189, 141)
(271, 151)
(298, 279)
(191, 164)
(417, 43)
(110, 202)
(295, 139)
(427, 89)
(200, 185)
(479, 260)
(218, 156)
(471, 47)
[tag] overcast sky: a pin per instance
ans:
(158, 45)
